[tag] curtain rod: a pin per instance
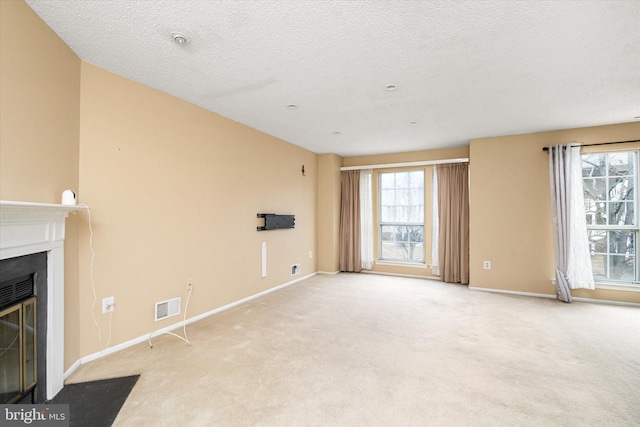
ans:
(597, 143)
(405, 164)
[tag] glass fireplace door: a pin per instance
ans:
(17, 351)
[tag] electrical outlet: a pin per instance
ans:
(310, 254)
(108, 305)
(487, 265)
(295, 269)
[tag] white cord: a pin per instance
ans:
(93, 285)
(184, 323)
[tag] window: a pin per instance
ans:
(609, 181)
(402, 216)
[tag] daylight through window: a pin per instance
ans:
(402, 216)
(609, 181)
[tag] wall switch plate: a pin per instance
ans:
(107, 305)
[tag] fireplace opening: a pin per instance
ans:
(23, 321)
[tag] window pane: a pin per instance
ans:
(402, 180)
(386, 213)
(621, 213)
(402, 197)
(593, 165)
(402, 243)
(597, 241)
(622, 268)
(621, 188)
(387, 181)
(417, 179)
(621, 163)
(622, 242)
(416, 214)
(595, 188)
(599, 267)
(387, 197)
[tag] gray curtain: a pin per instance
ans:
(350, 252)
(559, 158)
(573, 255)
(453, 216)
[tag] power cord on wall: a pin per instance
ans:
(184, 322)
(93, 287)
(95, 299)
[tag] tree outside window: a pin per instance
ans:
(609, 182)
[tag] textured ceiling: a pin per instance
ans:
(463, 69)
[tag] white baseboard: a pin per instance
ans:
(328, 272)
(146, 337)
(553, 296)
(605, 301)
(504, 291)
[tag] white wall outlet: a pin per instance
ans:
(107, 305)
(310, 254)
(295, 269)
(487, 265)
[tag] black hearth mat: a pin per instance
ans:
(95, 403)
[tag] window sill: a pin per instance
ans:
(610, 286)
(618, 286)
(402, 264)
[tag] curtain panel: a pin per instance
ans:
(453, 216)
(573, 259)
(366, 219)
(349, 242)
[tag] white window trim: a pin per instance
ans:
(399, 262)
(622, 286)
(416, 264)
(618, 286)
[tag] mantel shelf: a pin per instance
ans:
(12, 205)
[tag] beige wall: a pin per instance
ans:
(510, 218)
(329, 199)
(406, 157)
(39, 127)
(174, 191)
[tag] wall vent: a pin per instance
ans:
(167, 308)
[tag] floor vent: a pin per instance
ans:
(167, 308)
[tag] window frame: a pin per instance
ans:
(380, 223)
(608, 283)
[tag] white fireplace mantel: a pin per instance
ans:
(27, 228)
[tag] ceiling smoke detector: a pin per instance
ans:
(180, 38)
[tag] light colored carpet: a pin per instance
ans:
(368, 350)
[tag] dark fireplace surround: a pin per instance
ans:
(36, 265)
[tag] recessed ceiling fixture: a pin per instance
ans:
(335, 132)
(180, 38)
(292, 107)
(413, 123)
(391, 87)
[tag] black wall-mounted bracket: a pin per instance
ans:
(274, 222)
